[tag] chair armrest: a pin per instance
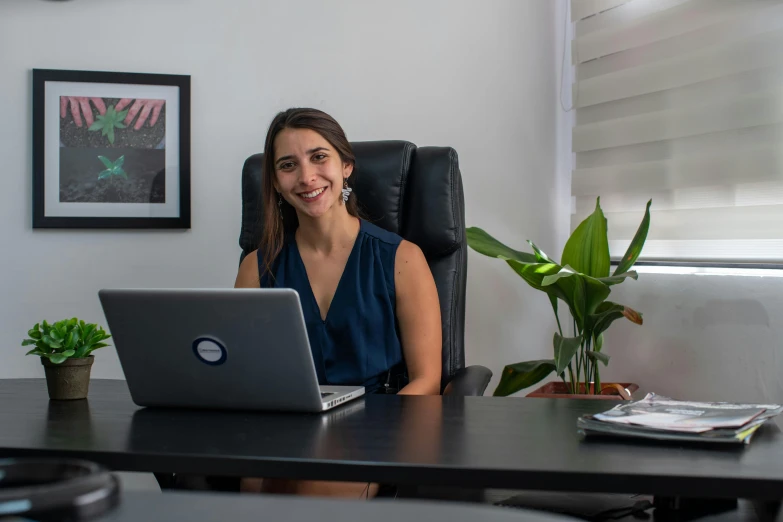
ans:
(469, 381)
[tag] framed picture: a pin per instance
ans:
(110, 150)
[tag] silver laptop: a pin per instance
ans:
(239, 348)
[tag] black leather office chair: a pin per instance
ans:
(416, 193)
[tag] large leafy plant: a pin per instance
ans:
(65, 339)
(582, 281)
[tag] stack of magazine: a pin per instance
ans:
(661, 418)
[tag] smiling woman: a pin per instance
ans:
(368, 297)
(306, 142)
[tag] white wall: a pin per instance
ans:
(705, 336)
(478, 76)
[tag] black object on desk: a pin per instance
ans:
(56, 489)
(471, 442)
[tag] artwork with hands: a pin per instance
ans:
(112, 150)
(109, 160)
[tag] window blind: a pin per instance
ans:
(681, 102)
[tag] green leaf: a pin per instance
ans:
(94, 347)
(36, 351)
(70, 341)
(111, 135)
(582, 293)
(553, 302)
(56, 334)
(110, 112)
(485, 244)
(98, 125)
(598, 356)
(519, 376)
(120, 161)
(635, 248)
(595, 293)
(87, 331)
(51, 342)
(104, 174)
(105, 130)
(619, 278)
(534, 273)
(565, 349)
(69, 353)
(119, 125)
(605, 315)
(121, 115)
(566, 271)
(28, 342)
(599, 342)
(57, 358)
(106, 162)
(121, 172)
(541, 257)
(587, 250)
(608, 312)
(34, 332)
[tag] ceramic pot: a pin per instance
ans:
(68, 380)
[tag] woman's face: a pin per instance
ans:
(309, 173)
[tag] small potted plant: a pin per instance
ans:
(583, 282)
(65, 349)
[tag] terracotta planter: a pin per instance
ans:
(617, 391)
(69, 380)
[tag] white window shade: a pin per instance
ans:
(681, 102)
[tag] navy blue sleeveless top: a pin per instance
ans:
(358, 343)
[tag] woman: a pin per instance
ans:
(368, 296)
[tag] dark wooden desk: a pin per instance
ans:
(477, 442)
(209, 507)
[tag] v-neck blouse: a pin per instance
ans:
(358, 343)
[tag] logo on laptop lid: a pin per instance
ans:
(210, 351)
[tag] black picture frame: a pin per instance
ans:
(78, 203)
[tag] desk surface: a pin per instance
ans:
(204, 507)
(481, 442)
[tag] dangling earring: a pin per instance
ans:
(346, 190)
(280, 205)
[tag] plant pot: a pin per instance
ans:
(617, 391)
(69, 380)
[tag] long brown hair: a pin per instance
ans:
(282, 219)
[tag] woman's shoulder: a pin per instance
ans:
(247, 277)
(380, 234)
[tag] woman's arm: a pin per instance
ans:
(247, 277)
(418, 313)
